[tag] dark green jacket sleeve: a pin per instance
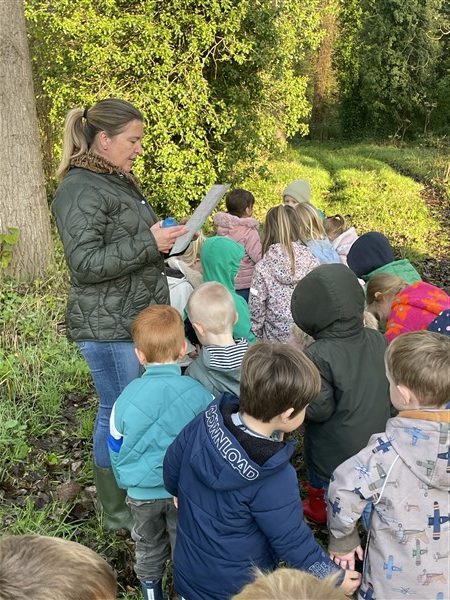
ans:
(91, 258)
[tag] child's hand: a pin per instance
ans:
(175, 502)
(347, 561)
(351, 583)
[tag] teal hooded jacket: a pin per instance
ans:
(221, 258)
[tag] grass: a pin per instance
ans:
(47, 404)
(430, 165)
(356, 181)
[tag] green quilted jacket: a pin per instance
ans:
(115, 267)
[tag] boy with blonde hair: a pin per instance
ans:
(405, 472)
(291, 584)
(145, 419)
(238, 496)
(212, 313)
(36, 567)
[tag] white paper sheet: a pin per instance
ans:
(199, 216)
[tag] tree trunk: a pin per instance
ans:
(323, 76)
(23, 202)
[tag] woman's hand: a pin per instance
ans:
(165, 236)
(347, 561)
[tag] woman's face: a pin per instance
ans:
(122, 149)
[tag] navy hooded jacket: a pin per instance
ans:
(234, 514)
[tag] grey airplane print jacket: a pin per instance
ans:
(405, 473)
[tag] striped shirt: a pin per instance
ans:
(227, 357)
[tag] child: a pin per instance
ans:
(312, 233)
(212, 313)
(285, 261)
(341, 236)
(299, 191)
(145, 419)
(239, 225)
(381, 291)
(188, 263)
(296, 192)
(221, 257)
(414, 308)
(290, 584)
(328, 304)
(238, 499)
(404, 471)
(372, 254)
(49, 568)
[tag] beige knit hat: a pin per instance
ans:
(299, 190)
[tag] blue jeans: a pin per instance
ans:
(113, 365)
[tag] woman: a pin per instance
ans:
(112, 243)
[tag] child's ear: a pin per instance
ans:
(183, 349)
(405, 393)
(199, 329)
(286, 415)
(140, 356)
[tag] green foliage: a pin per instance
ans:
(376, 198)
(219, 81)
(38, 366)
(40, 371)
(348, 64)
(424, 162)
(269, 183)
(394, 44)
(7, 243)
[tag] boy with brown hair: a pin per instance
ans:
(48, 568)
(405, 473)
(212, 313)
(238, 496)
(145, 419)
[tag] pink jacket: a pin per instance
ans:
(244, 231)
(344, 242)
(272, 286)
(414, 308)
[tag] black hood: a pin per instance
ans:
(329, 302)
(369, 252)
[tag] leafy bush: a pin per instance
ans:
(220, 82)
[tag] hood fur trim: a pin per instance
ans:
(98, 164)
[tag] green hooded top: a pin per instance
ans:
(221, 258)
(328, 304)
(402, 268)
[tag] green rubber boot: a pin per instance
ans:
(111, 500)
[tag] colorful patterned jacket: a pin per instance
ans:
(272, 286)
(405, 472)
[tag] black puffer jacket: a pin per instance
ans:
(328, 304)
(115, 267)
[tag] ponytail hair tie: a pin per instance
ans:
(85, 112)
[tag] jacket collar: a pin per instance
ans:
(97, 164)
(442, 416)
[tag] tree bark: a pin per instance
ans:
(323, 75)
(23, 201)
